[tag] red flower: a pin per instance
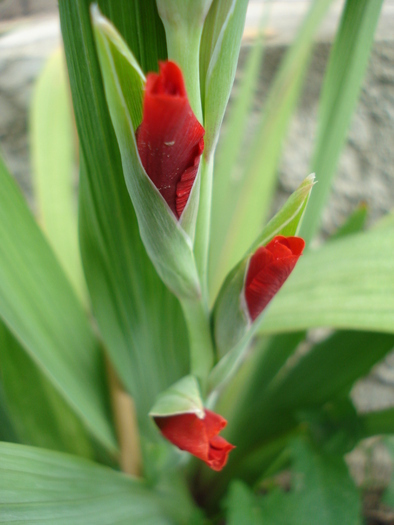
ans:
(269, 267)
(170, 138)
(198, 436)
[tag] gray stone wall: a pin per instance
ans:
(21, 8)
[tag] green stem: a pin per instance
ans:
(200, 340)
(201, 243)
(183, 46)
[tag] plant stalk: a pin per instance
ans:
(200, 340)
(183, 46)
(201, 243)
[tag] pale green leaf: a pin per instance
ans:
(38, 486)
(220, 44)
(343, 80)
(53, 149)
(229, 148)
(245, 200)
(38, 305)
(349, 283)
(39, 414)
(183, 21)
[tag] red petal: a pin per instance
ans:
(198, 436)
(170, 138)
(214, 423)
(269, 268)
(219, 450)
(187, 432)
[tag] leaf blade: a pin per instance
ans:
(54, 162)
(38, 412)
(56, 334)
(38, 486)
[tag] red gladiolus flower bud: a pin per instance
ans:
(170, 138)
(198, 436)
(269, 267)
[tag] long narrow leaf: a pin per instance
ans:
(54, 167)
(39, 414)
(228, 151)
(38, 305)
(345, 72)
(38, 486)
(141, 322)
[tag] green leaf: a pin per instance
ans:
(39, 307)
(228, 150)
(353, 224)
(317, 376)
(140, 25)
(349, 283)
(270, 357)
(272, 406)
(140, 320)
(7, 430)
(245, 200)
(342, 83)
(54, 167)
(242, 506)
(183, 397)
(220, 45)
(38, 486)
(39, 414)
(380, 422)
(324, 488)
(321, 487)
(167, 244)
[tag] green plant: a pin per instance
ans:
(90, 358)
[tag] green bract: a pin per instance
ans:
(183, 397)
(167, 243)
